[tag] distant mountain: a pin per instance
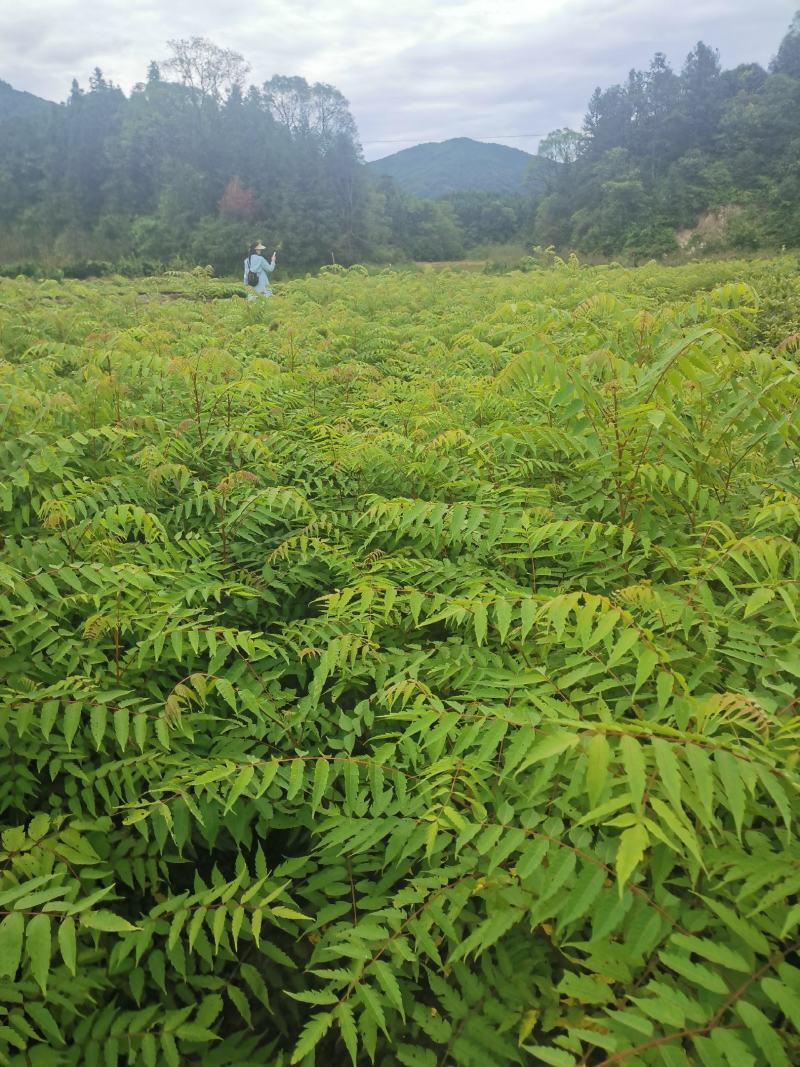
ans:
(15, 103)
(460, 165)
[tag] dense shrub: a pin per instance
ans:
(402, 670)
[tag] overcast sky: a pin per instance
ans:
(420, 70)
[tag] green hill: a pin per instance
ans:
(460, 165)
(15, 103)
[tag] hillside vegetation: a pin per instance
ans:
(193, 164)
(463, 165)
(401, 671)
(662, 148)
(14, 103)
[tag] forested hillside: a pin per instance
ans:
(663, 147)
(14, 103)
(186, 166)
(463, 165)
(192, 162)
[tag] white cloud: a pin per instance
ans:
(420, 70)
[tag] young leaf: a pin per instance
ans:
(763, 1034)
(321, 771)
(12, 929)
(733, 789)
(647, 661)
(240, 783)
(67, 943)
(547, 747)
(121, 720)
(669, 770)
(479, 621)
(373, 1005)
(388, 983)
(106, 921)
(787, 999)
(313, 1032)
(704, 780)
(634, 763)
(597, 757)
(195, 1032)
(347, 1027)
(632, 845)
(502, 611)
(37, 946)
(98, 718)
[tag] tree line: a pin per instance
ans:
(189, 163)
(193, 162)
(659, 150)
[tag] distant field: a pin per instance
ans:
(504, 256)
(402, 670)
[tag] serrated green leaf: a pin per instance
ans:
(546, 748)
(388, 983)
(479, 621)
(502, 613)
(312, 1033)
(170, 1050)
(747, 931)
(787, 999)
(98, 720)
(106, 921)
(733, 788)
(583, 894)
(373, 1005)
(37, 947)
(763, 1033)
(555, 1057)
(703, 774)
(321, 771)
(646, 663)
(296, 773)
(240, 783)
(669, 770)
(664, 685)
(634, 764)
(12, 929)
(227, 692)
(347, 1028)
(598, 754)
(196, 1034)
(67, 943)
(149, 1050)
(630, 853)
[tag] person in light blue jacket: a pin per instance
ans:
(257, 266)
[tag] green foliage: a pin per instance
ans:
(663, 148)
(460, 164)
(182, 172)
(106, 177)
(401, 671)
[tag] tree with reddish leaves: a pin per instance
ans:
(237, 202)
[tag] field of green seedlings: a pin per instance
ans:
(403, 671)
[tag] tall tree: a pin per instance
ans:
(319, 110)
(206, 68)
(787, 60)
(701, 95)
(562, 146)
